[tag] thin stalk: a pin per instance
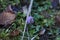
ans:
(28, 13)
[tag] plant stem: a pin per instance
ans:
(28, 12)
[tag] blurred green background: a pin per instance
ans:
(43, 18)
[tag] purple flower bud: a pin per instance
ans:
(30, 20)
(55, 3)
